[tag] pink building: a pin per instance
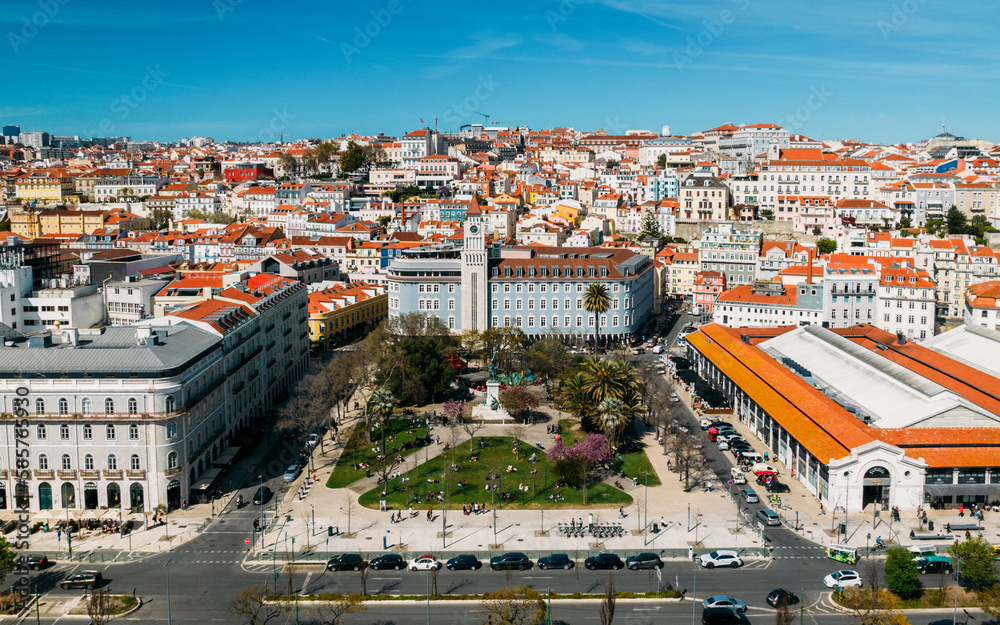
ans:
(707, 287)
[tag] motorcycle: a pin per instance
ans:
(239, 502)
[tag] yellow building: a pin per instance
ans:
(61, 221)
(343, 311)
(47, 187)
(26, 223)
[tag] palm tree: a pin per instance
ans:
(380, 405)
(575, 398)
(604, 379)
(611, 418)
(597, 302)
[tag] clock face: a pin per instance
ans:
(473, 229)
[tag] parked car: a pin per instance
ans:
(723, 616)
(722, 557)
(924, 550)
(723, 444)
(508, 561)
(724, 601)
(556, 561)
(464, 562)
(291, 473)
(643, 561)
(843, 579)
(704, 423)
(34, 563)
(425, 562)
(674, 397)
(313, 440)
(389, 561)
(83, 579)
(262, 495)
(779, 597)
(934, 564)
(768, 517)
(750, 496)
(604, 561)
(346, 562)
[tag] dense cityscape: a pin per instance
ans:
(502, 363)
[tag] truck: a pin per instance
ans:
(658, 349)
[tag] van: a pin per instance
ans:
(658, 349)
(737, 475)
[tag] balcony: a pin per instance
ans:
(172, 472)
(91, 474)
(113, 474)
(138, 474)
(67, 474)
(47, 474)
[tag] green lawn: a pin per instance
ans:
(425, 481)
(634, 463)
(345, 472)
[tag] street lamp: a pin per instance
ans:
(261, 496)
(166, 565)
(645, 509)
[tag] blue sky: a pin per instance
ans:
(246, 69)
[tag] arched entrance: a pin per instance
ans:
(876, 485)
(173, 495)
(44, 496)
(135, 498)
(114, 495)
(90, 496)
(68, 495)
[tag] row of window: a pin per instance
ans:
(542, 304)
(910, 319)
(543, 321)
(110, 432)
(135, 463)
(86, 405)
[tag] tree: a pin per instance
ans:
(513, 605)
(979, 226)
(596, 301)
(650, 227)
(415, 371)
(353, 158)
(325, 151)
(374, 155)
(826, 246)
(100, 606)
(661, 160)
(905, 222)
(607, 611)
(611, 418)
(287, 162)
(549, 358)
(309, 406)
(784, 616)
(686, 454)
(901, 574)
(505, 342)
(257, 606)
(576, 399)
(976, 559)
(384, 221)
(612, 164)
(8, 558)
(875, 605)
(160, 218)
(519, 402)
(575, 464)
(332, 612)
(380, 406)
(956, 221)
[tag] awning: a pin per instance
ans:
(226, 457)
(206, 479)
(943, 490)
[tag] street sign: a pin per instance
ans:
(730, 482)
(246, 541)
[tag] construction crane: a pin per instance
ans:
(435, 122)
(484, 115)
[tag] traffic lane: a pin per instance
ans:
(563, 613)
(755, 580)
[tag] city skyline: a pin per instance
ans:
(233, 70)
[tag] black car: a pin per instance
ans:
(34, 562)
(388, 561)
(346, 562)
(934, 564)
(643, 561)
(261, 496)
(83, 579)
(510, 561)
(464, 562)
(604, 561)
(779, 597)
(556, 561)
(723, 616)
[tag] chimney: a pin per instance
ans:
(900, 339)
(809, 269)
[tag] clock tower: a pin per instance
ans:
(475, 312)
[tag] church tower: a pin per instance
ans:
(475, 313)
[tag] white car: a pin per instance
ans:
(424, 563)
(722, 557)
(843, 579)
(313, 440)
(723, 445)
(674, 398)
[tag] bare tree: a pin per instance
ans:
(686, 453)
(516, 432)
(454, 436)
(309, 406)
(363, 573)
(471, 425)
(385, 465)
(348, 508)
(257, 606)
(608, 601)
(100, 606)
(332, 612)
(784, 615)
(513, 605)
